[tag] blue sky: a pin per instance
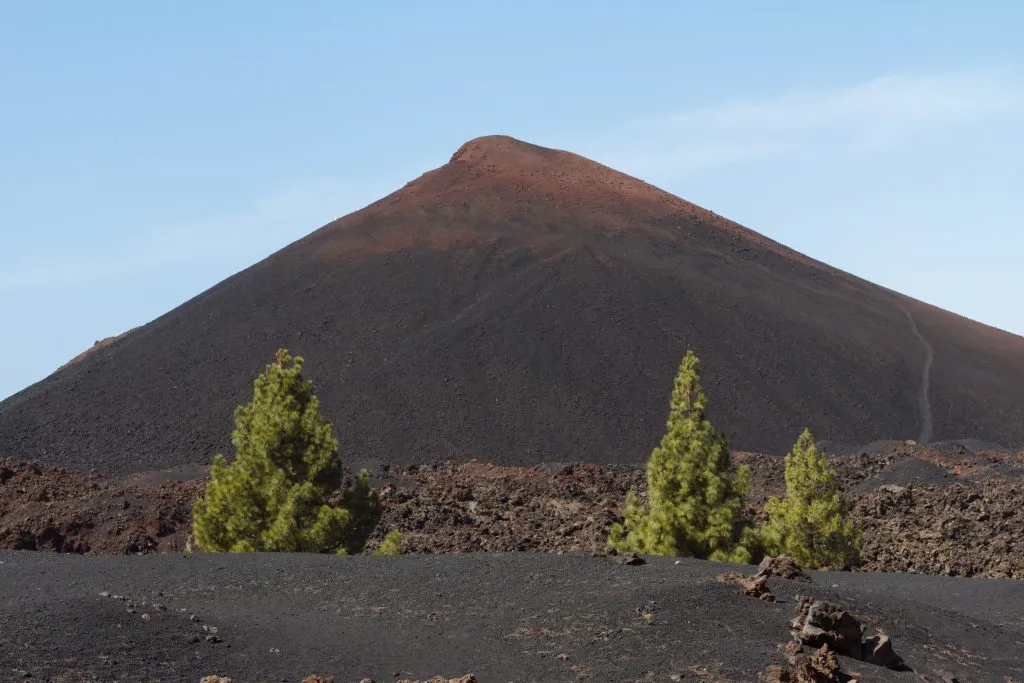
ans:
(149, 150)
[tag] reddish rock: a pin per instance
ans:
(784, 567)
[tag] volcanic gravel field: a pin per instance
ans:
(503, 617)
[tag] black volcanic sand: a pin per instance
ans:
(504, 617)
(522, 305)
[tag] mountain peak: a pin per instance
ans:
(499, 148)
(534, 167)
(499, 175)
(529, 305)
(495, 186)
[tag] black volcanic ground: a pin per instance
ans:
(520, 305)
(504, 617)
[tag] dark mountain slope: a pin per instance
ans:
(521, 304)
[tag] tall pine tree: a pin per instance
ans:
(274, 496)
(694, 493)
(809, 523)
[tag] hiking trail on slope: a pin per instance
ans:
(924, 404)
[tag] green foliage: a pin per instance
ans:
(808, 524)
(694, 494)
(274, 496)
(392, 544)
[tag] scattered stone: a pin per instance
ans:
(784, 567)
(213, 638)
(830, 630)
(820, 623)
(191, 637)
(821, 666)
(824, 664)
(317, 678)
(632, 560)
(753, 586)
(877, 649)
(563, 657)
(215, 679)
(146, 616)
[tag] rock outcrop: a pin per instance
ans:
(820, 623)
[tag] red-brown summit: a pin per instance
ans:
(509, 187)
(521, 304)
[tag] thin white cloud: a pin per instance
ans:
(862, 117)
(228, 242)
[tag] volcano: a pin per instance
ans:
(522, 305)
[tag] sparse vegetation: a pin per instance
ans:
(695, 494)
(809, 524)
(392, 544)
(274, 496)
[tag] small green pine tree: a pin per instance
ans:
(392, 544)
(274, 496)
(808, 524)
(694, 493)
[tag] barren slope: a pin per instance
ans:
(519, 305)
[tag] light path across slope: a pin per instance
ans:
(923, 402)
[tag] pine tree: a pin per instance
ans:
(809, 523)
(274, 496)
(694, 493)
